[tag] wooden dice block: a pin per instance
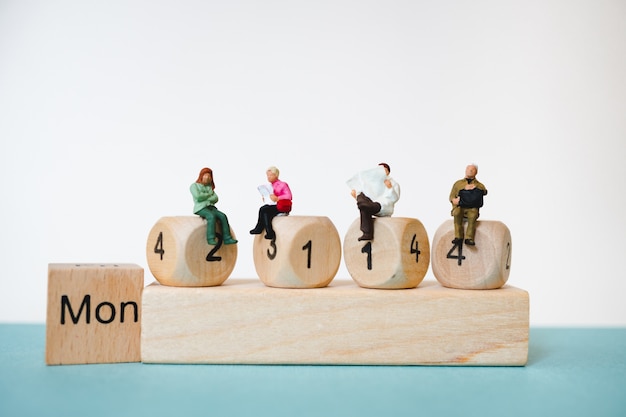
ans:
(179, 255)
(94, 313)
(398, 257)
(305, 254)
(484, 266)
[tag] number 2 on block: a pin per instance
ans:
(508, 255)
(211, 255)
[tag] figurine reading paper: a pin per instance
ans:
(376, 193)
(277, 198)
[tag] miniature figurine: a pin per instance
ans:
(467, 199)
(376, 193)
(279, 197)
(204, 198)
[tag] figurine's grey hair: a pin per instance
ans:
(274, 170)
(474, 165)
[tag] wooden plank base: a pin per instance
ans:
(246, 322)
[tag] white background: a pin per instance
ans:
(108, 110)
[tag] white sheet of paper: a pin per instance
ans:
(370, 182)
(266, 190)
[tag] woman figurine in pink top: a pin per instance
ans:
(281, 203)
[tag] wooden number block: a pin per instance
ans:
(305, 254)
(398, 257)
(484, 266)
(94, 313)
(179, 255)
(245, 322)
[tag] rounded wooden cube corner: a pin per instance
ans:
(306, 253)
(486, 265)
(178, 254)
(398, 257)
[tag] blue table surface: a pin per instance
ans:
(571, 371)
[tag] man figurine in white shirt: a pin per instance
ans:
(379, 206)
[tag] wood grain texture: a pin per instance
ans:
(179, 255)
(245, 322)
(397, 258)
(305, 254)
(94, 313)
(484, 266)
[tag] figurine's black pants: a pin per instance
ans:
(266, 214)
(368, 208)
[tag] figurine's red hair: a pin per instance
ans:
(204, 171)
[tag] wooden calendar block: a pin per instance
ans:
(179, 255)
(305, 254)
(245, 322)
(484, 266)
(94, 313)
(398, 257)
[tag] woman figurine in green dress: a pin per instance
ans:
(204, 199)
